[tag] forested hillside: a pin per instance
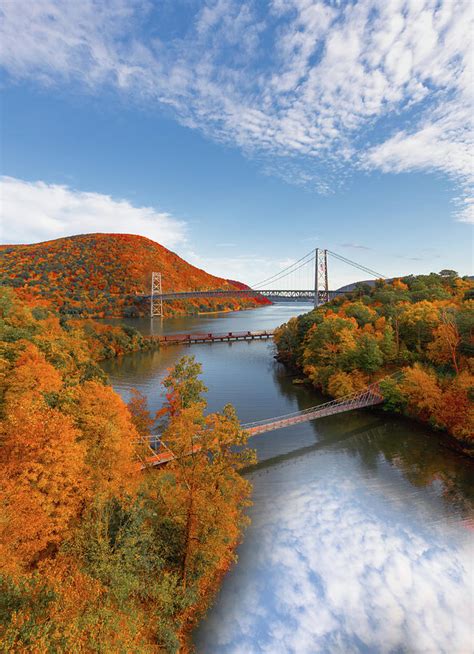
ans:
(97, 555)
(422, 326)
(103, 275)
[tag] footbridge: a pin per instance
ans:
(369, 396)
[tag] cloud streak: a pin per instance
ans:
(311, 88)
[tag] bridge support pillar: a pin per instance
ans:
(156, 303)
(321, 284)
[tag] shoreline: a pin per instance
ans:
(446, 440)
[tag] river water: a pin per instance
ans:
(362, 524)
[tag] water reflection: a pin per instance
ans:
(331, 566)
(415, 450)
(360, 538)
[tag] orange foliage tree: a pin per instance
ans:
(95, 554)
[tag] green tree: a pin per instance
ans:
(368, 356)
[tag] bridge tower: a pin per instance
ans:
(321, 284)
(156, 304)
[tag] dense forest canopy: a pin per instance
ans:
(96, 554)
(104, 275)
(422, 326)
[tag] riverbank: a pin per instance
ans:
(418, 328)
(443, 437)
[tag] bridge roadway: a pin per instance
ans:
(272, 295)
(370, 396)
(178, 339)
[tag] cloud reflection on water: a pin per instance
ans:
(339, 569)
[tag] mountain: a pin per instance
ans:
(350, 287)
(104, 275)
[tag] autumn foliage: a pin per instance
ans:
(96, 554)
(100, 275)
(422, 326)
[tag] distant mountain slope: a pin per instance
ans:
(371, 282)
(102, 274)
(351, 287)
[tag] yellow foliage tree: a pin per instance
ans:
(420, 387)
(109, 436)
(340, 384)
(443, 348)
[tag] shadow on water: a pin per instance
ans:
(302, 451)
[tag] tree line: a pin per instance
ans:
(96, 553)
(421, 325)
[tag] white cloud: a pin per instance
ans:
(304, 85)
(47, 211)
(445, 142)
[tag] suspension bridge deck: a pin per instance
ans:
(305, 279)
(272, 295)
(370, 396)
(178, 339)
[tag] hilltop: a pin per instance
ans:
(104, 274)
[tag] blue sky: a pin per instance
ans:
(243, 134)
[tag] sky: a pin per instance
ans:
(242, 134)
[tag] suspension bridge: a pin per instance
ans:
(305, 279)
(271, 288)
(369, 396)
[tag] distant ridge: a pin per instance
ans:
(351, 287)
(371, 282)
(103, 275)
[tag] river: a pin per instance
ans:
(362, 524)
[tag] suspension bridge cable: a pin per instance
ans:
(308, 258)
(286, 274)
(357, 265)
(280, 272)
(286, 270)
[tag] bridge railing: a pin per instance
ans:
(357, 398)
